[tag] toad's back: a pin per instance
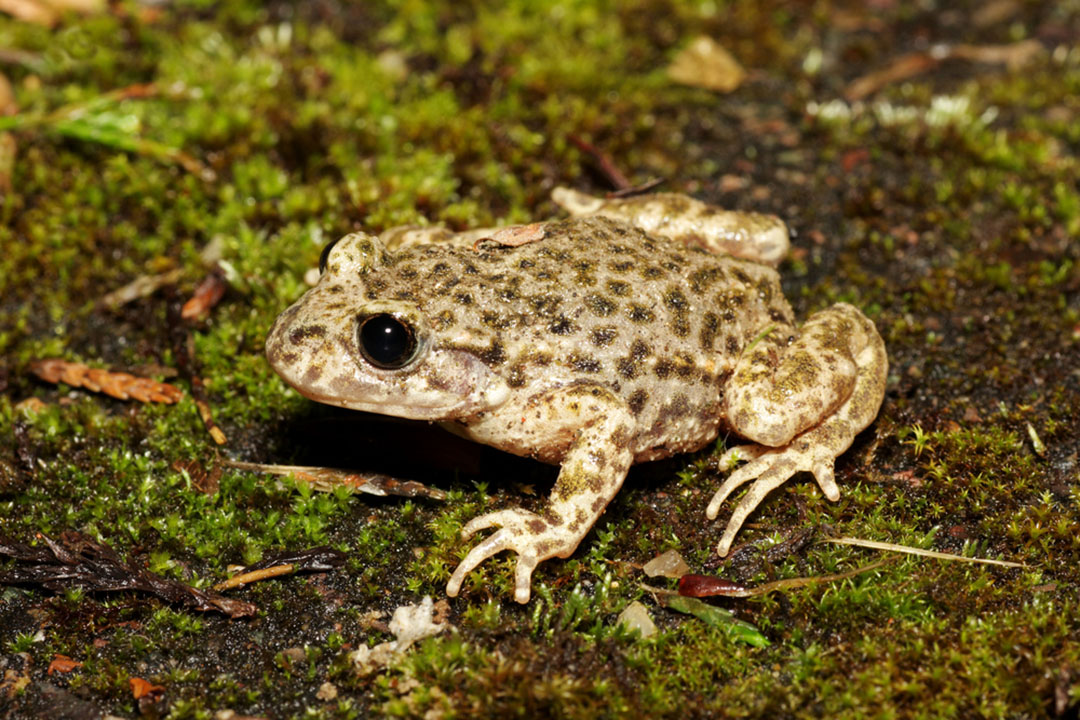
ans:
(599, 302)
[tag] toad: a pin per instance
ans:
(634, 330)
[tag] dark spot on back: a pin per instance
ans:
(603, 336)
(765, 290)
(675, 300)
(637, 401)
(494, 355)
(710, 324)
(639, 313)
(584, 363)
(600, 305)
(496, 321)
(544, 305)
(515, 378)
(562, 326)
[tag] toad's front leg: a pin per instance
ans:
(804, 402)
(592, 471)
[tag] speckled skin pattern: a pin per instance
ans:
(628, 333)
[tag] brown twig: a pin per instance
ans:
(326, 479)
(603, 162)
(1013, 56)
(184, 351)
(316, 559)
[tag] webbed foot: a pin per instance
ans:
(770, 468)
(532, 537)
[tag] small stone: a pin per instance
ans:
(706, 64)
(669, 564)
(636, 617)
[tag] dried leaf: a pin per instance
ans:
(76, 561)
(706, 64)
(700, 586)
(62, 664)
(206, 296)
(120, 385)
(141, 688)
(517, 235)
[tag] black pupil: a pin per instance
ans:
(386, 341)
(325, 255)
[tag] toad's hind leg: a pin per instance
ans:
(804, 405)
(749, 235)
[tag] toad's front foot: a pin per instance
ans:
(770, 468)
(532, 537)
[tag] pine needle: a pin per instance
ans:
(875, 545)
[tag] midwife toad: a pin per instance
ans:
(638, 329)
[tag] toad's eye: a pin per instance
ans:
(386, 341)
(325, 255)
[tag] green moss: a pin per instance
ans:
(946, 206)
